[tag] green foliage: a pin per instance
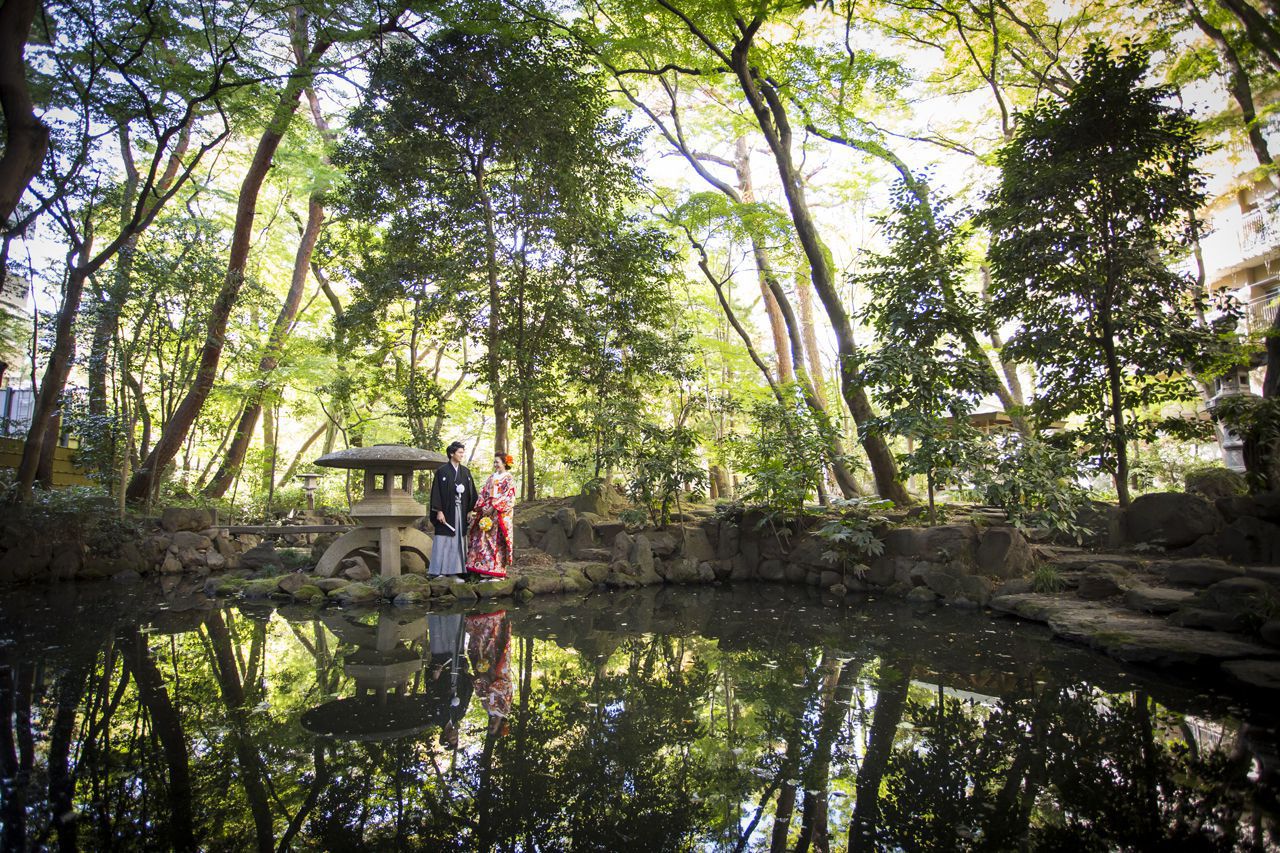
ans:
(1213, 480)
(922, 372)
(1092, 211)
(1035, 482)
(664, 464)
(783, 456)
(1257, 420)
(853, 535)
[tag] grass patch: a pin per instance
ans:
(1047, 579)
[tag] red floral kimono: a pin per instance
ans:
(489, 552)
(488, 647)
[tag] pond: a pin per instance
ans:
(662, 719)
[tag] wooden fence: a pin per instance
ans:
(65, 471)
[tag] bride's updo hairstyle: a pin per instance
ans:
(507, 459)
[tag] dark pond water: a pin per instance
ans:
(669, 719)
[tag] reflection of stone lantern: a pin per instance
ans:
(381, 666)
(1230, 385)
(388, 510)
(309, 485)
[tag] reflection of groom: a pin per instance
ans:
(453, 496)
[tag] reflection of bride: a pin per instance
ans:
(488, 647)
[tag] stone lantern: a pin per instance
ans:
(1233, 384)
(382, 666)
(309, 485)
(386, 514)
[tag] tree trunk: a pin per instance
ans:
(284, 478)
(526, 450)
(269, 439)
(790, 335)
(27, 138)
(1119, 440)
(247, 757)
(179, 425)
(804, 296)
(166, 723)
(48, 453)
(771, 116)
(781, 345)
(838, 684)
(270, 360)
(920, 190)
(1009, 369)
(1261, 32)
(45, 417)
(62, 778)
(500, 412)
(1241, 90)
(118, 294)
(891, 700)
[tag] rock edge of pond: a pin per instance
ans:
(1145, 600)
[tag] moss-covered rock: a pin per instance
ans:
(227, 585)
(494, 588)
(260, 589)
(355, 593)
(307, 592)
(416, 584)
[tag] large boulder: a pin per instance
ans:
(1249, 539)
(1212, 482)
(1157, 599)
(662, 543)
(1103, 581)
(412, 563)
(695, 545)
(1248, 597)
(905, 542)
(597, 498)
(566, 517)
(261, 557)
(556, 542)
(956, 544)
(622, 545)
(772, 570)
(1171, 519)
(1196, 571)
(729, 539)
(355, 593)
(293, 582)
(942, 581)
(176, 518)
(682, 571)
(583, 538)
(183, 539)
(1265, 506)
(1102, 523)
(641, 555)
(1004, 552)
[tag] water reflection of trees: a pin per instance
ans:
(616, 741)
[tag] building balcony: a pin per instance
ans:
(1259, 231)
(1260, 314)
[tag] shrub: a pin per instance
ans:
(1213, 482)
(852, 535)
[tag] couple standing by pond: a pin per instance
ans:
(473, 530)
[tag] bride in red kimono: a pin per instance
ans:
(489, 553)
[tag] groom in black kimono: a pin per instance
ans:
(453, 497)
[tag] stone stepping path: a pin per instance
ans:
(1130, 637)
